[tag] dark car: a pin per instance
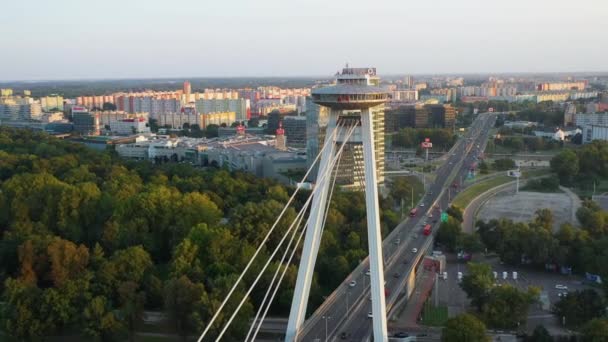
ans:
(343, 336)
(401, 334)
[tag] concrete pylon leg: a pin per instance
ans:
(376, 262)
(313, 236)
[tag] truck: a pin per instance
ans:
(427, 230)
(413, 212)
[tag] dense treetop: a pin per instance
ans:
(90, 241)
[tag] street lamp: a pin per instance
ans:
(326, 318)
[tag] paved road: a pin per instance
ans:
(470, 212)
(346, 309)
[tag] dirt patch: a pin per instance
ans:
(520, 207)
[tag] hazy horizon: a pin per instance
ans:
(110, 40)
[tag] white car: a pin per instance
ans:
(414, 250)
(422, 204)
(369, 315)
(561, 287)
(367, 272)
(352, 283)
(397, 241)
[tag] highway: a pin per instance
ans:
(344, 314)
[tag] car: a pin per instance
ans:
(422, 204)
(561, 287)
(396, 275)
(401, 335)
(397, 241)
(343, 336)
(352, 283)
(367, 272)
(414, 250)
(430, 215)
(369, 315)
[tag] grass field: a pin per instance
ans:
(434, 315)
(463, 199)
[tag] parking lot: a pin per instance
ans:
(450, 294)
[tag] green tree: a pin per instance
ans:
(449, 233)
(131, 305)
(579, 307)
(566, 165)
(540, 334)
(544, 218)
(100, 322)
(478, 283)
(182, 296)
(595, 331)
(464, 328)
(455, 212)
(507, 306)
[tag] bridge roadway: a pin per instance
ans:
(346, 309)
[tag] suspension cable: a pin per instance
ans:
(263, 303)
(255, 254)
(352, 129)
(272, 283)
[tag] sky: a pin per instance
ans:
(79, 39)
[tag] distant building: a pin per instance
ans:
(51, 103)
(295, 131)
(130, 126)
(557, 134)
(580, 85)
(218, 118)
(281, 143)
(569, 113)
(594, 126)
(240, 107)
(397, 118)
(187, 91)
(85, 122)
(594, 132)
(408, 82)
(401, 95)
(253, 154)
(20, 112)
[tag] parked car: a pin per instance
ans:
(352, 283)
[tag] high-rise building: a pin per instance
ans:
(240, 107)
(316, 126)
(85, 122)
(52, 103)
(187, 91)
(400, 117)
(295, 130)
(569, 113)
(408, 82)
(281, 143)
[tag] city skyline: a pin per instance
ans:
(111, 40)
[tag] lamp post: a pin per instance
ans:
(326, 318)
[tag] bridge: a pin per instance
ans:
(348, 308)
